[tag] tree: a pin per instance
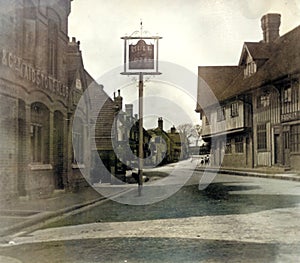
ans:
(190, 132)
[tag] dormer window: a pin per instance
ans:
(250, 69)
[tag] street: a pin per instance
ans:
(234, 219)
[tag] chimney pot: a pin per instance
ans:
(160, 123)
(270, 24)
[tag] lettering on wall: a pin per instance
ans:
(28, 72)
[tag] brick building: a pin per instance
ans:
(42, 78)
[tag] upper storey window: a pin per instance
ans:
(52, 47)
(250, 69)
(27, 46)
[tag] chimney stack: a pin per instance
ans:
(160, 123)
(270, 24)
(173, 130)
(119, 100)
(129, 109)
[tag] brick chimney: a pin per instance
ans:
(160, 123)
(118, 100)
(270, 24)
(129, 109)
(173, 130)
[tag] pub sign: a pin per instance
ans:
(141, 55)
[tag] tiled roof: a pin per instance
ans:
(103, 113)
(228, 81)
(257, 50)
(217, 78)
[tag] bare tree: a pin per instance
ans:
(190, 131)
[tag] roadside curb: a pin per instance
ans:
(43, 216)
(33, 223)
(279, 176)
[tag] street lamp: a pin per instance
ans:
(141, 58)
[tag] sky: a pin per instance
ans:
(194, 33)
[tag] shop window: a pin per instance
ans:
(295, 138)
(234, 109)
(39, 133)
(228, 148)
(239, 144)
(261, 137)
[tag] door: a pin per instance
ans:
(277, 155)
(58, 147)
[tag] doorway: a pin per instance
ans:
(277, 159)
(58, 150)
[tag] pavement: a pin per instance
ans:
(22, 213)
(263, 172)
(26, 213)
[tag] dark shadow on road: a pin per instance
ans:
(149, 250)
(216, 199)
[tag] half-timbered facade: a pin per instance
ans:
(262, 128)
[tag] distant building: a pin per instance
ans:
(257, 120)
(167, 147)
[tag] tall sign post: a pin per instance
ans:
(141, 58)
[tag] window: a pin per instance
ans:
(295, 138)
(263, 101)
(228, 148)
(287, 95)
(286, 100)
(286, 140)
(250, 69)
(52, 48)
(221, 114)
(234, 109)
(261, 137)
(239, 144)
(78, 156)
(36, 142)
(39, 133)
(29, 31)
(207, 119)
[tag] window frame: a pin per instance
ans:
(239, 144)
(39, 133)
(261, 131)
(295, 138)
(234, 109)
(221, 113)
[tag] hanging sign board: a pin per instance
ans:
(141, 55)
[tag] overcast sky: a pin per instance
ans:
(195, 33)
